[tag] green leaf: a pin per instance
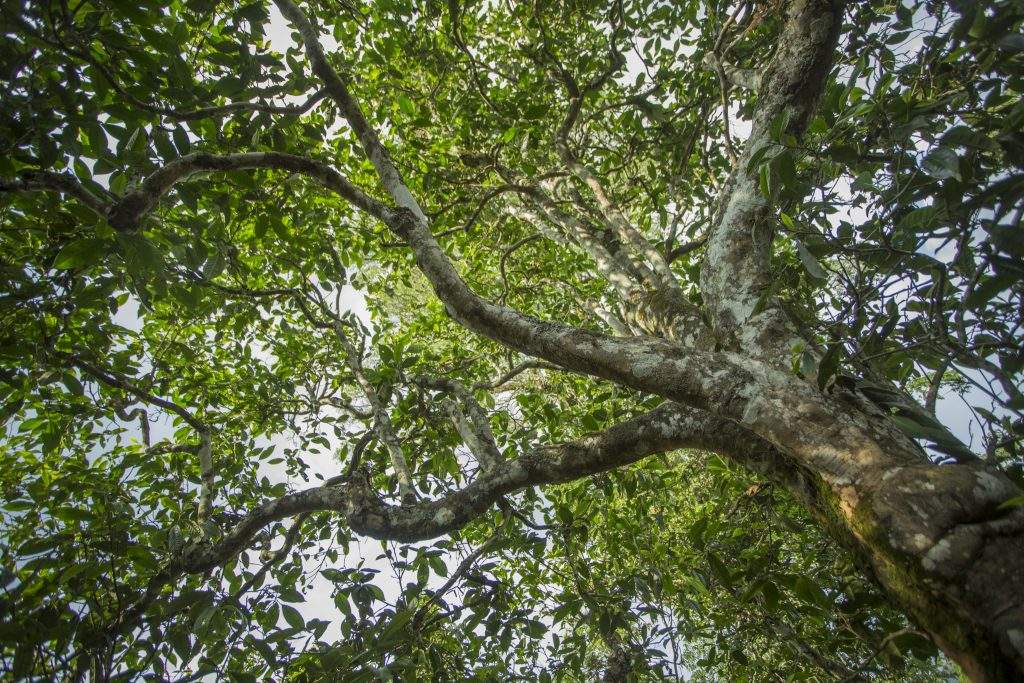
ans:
(920, 219)
(204, 617)
(809, 591)
(1016, 501)
(181, 642)
(280, 228)
(293, 617)
(942, 163)
(829, 364)
(720, 570)
(922, 427)
(140, 255)
(264, 649)
(73, 515)
(536, 629)
(764, 176)
(1011, 42)
(73, 385)
(784, 168)
(811, 264)
(406, 105)
(771, 596)
(34, 546)
(84, 252)
(1008, 239)
(289, 594)
(438, 565)
(181, 140)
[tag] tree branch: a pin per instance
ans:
(289, 540)
(381, 420)
(614, 217)
(617, 272)
(684, 249)
(127, 212)
(736, 268)
(670, 426)
(470, 421)
(47, 181)
(337, 88)
(742, 78)
(568, 346)
(515, 372)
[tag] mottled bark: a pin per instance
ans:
(736, 268)
(935, 537)
(668, 427)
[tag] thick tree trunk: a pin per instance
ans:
(935, 538)
(940, 546)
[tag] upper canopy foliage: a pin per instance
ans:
(221, 318)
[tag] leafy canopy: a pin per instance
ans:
(214, 325)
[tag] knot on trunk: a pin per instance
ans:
(941, 514)
(124, 216)
(403, 221)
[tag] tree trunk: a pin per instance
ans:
(935, 538)
(940, 545)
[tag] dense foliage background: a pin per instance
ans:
(902, 253)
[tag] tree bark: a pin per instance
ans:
(933, 537)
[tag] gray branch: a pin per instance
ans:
(669, 427)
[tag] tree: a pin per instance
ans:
(587, 234)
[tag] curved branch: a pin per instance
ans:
(669, 427)
(646, 363)
(142, 416)
(207, 472)
(289, 540)
(616, 220)
(618, 272)
(125, 215)
(455, 18)
(48, 181)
